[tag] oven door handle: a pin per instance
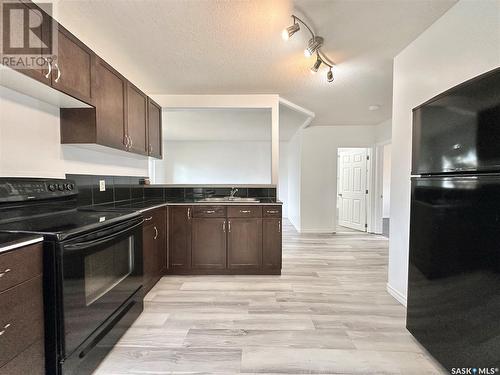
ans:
(101, 240)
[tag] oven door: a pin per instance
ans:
(100, 271)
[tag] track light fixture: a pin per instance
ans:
(314, 46)
(329, 75)
(290, 30)
(316, 65)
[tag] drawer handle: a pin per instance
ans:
(209, 211)
(279, 226)
(189, 213)
(2, 274)
(245, 211)
(156, 233)
(148, 218)
(4, 329)
(273, 212)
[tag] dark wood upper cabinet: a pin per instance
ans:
(208, 243)
(244, 243)
(179, 236)
(271, 243)
(110, 92)
(137, 118)
(155, 143)
(72, 70)
(39, 72)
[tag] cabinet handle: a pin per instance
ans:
(4, 329)
(50, 67)
(245, 211)
(229, 226)
(2, 274)
(279, 226)
(272, 212)
(224, 226)
(156, 233)
(148, 218)
(209, 211)
(58, 73)
(189, 213)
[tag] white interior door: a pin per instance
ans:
(352, 188)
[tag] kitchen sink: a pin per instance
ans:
(229, 199)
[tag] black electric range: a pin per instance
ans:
(92, 269)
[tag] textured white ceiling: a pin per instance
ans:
(224, 124)
(235, 47)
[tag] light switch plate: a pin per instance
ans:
(102, 185)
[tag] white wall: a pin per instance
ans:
(386, 181)
(463, 43)
(383, 132)
(319, 172)
(215, 162)
(283, 178)
(294, 179)
(30, 144)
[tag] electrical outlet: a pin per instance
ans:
(102, 185)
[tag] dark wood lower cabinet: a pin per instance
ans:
(179, 237)
(271, 244)
(208, 243)
(22, 312)
(224, 240)
(244, 244)
(154, 247)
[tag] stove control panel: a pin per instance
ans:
(24, 189)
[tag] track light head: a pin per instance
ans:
(329, 75)
(290, 30)
(316, 65)
(314, 44)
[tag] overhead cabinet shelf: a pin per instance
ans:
(97, 104)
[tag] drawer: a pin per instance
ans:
(20, 265)
(244, 211)
(271, 211)
(21, 318)
(31, 361)
(154, 216)
(209, 211)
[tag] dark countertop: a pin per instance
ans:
(141, 205)
(11, 241)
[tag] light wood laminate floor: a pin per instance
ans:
(328, 313)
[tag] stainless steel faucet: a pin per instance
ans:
(233, 193)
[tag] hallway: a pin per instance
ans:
(328, 313)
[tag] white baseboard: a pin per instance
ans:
(397, 295)
(318, 231)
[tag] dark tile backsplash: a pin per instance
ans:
(120, 188)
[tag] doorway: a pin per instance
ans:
(352, 188)
(386, 189)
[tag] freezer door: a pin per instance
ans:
(454, 269)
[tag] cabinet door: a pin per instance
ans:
(160, 227)
(154, 130)
(110, 89)
(39, 67)
(244, 244)
(72, 71)
(179, 234)
(137, 119)
(271, 249)
(149, 256)
(209, 244)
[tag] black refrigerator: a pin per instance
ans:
(454, 260)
